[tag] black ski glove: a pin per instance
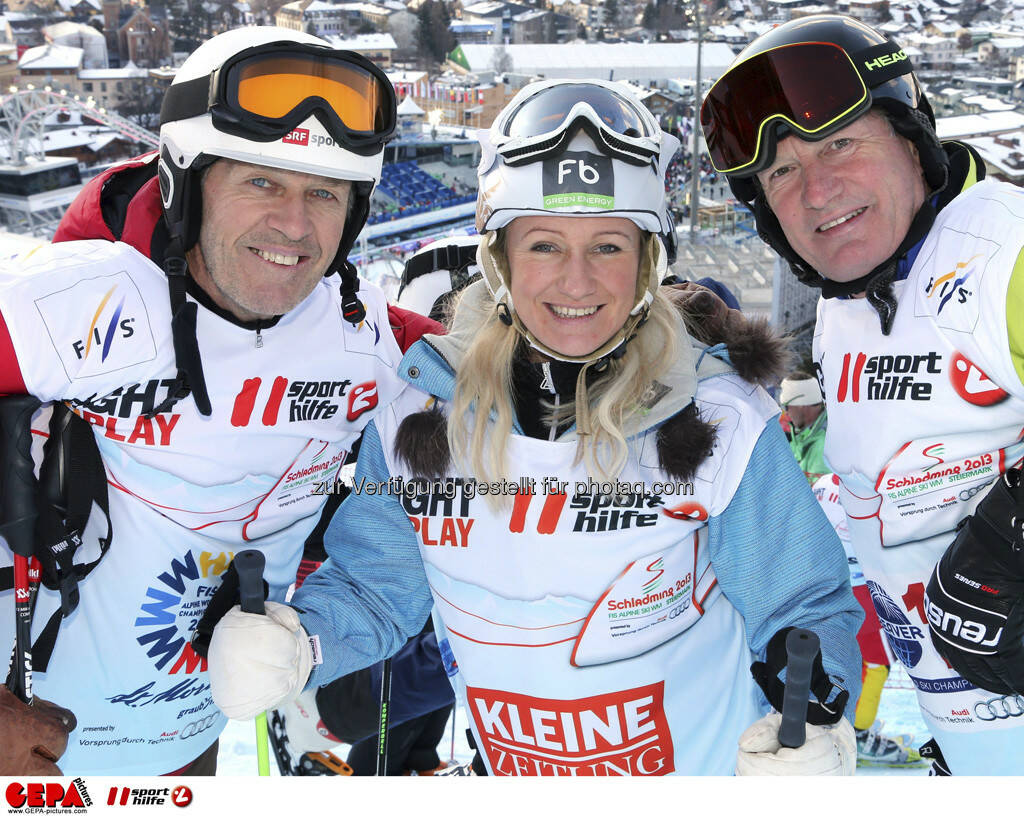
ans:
(975, 597)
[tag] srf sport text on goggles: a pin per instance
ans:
(265, 92)
(544, 123)
(812, 89)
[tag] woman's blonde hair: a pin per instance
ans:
(483, 385)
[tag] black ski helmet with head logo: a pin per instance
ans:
(827, 70)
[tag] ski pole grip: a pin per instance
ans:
(801, 648)
(17, 480)
(249, 564)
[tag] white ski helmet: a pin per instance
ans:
(574, 148)
(277, 98)
(432, 272)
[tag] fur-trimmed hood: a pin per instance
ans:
(729, 344)
(720, 341)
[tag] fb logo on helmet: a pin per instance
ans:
(576, 179)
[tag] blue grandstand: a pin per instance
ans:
(412, 191)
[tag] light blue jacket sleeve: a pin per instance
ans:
(780, 563)
(371, 594)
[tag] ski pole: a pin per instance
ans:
(801, 650)
(451, 756)
(249, 564)
(18, 509)
(385, 705)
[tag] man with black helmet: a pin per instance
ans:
(226, 357)
(918, 349)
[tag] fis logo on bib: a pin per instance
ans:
(951, 285)
(903, 636)
(115, 327)
(113, 334)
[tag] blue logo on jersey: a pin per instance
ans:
(173, 609)
(943, 685)
(902, 635)
(451, 665)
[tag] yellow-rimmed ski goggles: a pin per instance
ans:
(265, 92)
(812, 88)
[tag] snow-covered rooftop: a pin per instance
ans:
(406, 77)
(979, 124)
(51, 57)
(988, 103)
(638, 61)
(129, 71)
(365, 42)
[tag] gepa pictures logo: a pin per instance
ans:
(55, 796)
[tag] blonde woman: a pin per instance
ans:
(610, 524)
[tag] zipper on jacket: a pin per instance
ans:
(259, 339)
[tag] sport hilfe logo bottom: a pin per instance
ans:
(180, 796)
(621, 733)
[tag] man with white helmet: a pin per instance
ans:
(800, 398)
(226, 357)
(597, 499)
(823, 129)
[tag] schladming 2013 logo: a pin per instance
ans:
(903, 636)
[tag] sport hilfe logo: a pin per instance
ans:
(887, 376)
(180, 796)
(972, 384)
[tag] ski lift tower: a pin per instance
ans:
(35, 189)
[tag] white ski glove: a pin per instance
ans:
(258, 662)
(829, 750)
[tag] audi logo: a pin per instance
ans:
(1000, 708)
(971, 492)
(199, 726)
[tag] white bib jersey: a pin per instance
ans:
(920, 424)
(588, 634)
(90, 323)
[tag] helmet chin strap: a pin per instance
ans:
(877, 284)
(652, 269)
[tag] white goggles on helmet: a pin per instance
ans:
(548, 114)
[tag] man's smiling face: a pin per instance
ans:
(845, 203)
(267, 236)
